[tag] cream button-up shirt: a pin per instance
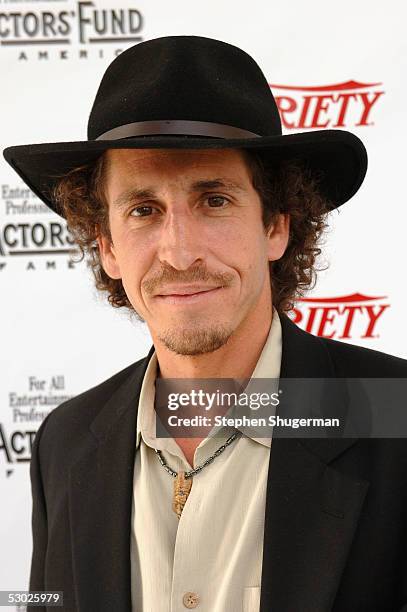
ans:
(210, 559)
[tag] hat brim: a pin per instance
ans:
(337, 157)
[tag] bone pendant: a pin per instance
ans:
(182, 487)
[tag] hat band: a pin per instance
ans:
(181, 128)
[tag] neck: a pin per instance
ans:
(235, 359)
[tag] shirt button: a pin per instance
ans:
(190, 600)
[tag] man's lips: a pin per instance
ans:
(188, 295)
(186, 290)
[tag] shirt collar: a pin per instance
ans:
(268, 366)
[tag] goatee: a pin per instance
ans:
(195, 341)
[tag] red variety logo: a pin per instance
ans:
(328, 106)
(343, 317)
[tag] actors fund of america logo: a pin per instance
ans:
(79, 30)
(31, 236)
(24, 241)
(341, 105)
(346, 317)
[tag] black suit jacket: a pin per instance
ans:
(335, 533)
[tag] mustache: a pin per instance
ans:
(169, 275)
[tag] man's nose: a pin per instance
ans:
(181, 242)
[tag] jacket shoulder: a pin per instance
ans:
(352, 360)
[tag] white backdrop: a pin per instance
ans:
(330, 65)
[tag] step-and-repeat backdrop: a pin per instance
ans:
(340, 66)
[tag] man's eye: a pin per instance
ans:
(142, 211)
(216, 201)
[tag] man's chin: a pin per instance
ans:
(195, 341)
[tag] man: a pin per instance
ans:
(199, 216)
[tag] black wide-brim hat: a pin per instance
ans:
(190, 92)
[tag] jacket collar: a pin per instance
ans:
(124, 399)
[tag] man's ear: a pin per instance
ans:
(278, 235)
(108, 256)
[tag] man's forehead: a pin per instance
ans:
(142, 161)
(133, 174)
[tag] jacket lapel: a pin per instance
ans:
(311, 509)
(100, 500)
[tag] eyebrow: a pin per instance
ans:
(132, 194)
(137, 193)
(216, 184)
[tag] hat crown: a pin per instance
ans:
(184, 78)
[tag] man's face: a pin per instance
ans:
(188, 242)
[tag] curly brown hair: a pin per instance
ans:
(284, 187)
